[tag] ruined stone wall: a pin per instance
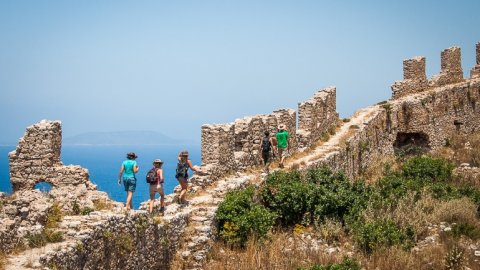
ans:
(414, 78)
(37, 159)
(316, 116)
(121, 242)
(236, 146)
(451, 68)
(475, 72)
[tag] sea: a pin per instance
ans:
(104, 162)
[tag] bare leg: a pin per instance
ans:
(162, 199)
(129, 200)
(152, 198)
(183, 193)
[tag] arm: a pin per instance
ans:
(120, 175)
(160, 175)
(189, 162)
(135, 168)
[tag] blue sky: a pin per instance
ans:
(171, 66)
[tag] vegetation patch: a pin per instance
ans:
(346, 264)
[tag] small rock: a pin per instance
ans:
(477, 253)
(447, 229)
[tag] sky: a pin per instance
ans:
(171, 66)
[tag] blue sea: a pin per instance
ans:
(104, 162)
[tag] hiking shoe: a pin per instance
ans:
(162, 209)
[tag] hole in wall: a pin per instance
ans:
(411, 143)
(43, 186)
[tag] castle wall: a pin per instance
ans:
(316, 116)
(451, 68)
(414, 78)
(475, 72)
(437, 108)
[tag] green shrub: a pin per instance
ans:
(346, 264)
(86, 210)
(289, 200)
(36, 240)
(53, 236)
(428, 169)
(466, 229)
(238, 217)
(381, 233)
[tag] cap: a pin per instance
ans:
(159, 161)
(184, 153)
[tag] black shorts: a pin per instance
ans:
(266, 157)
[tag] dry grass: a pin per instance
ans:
(271, 255)
(407, 212)
(376, 170)
(461, 210)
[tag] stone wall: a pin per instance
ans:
(475, 72)
(37, 159)
(316, 116)
(121, 242)
(243, 137)
(414, 78)
(451, 68)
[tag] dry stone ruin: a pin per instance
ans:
(421, 113)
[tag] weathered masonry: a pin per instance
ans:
(235, 146)
(421, 113)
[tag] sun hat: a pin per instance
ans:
(184, 153)
(131, 155)
(159, 161)
(281, 126)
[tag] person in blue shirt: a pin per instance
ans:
(127, 174)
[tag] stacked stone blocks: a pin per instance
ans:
(237, 145)
(37, 159)
(475, 72)
(316, 116)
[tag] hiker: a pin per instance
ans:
(156, 184)
(282, 143)
(182, 173)
(127, 174)
(266, 147)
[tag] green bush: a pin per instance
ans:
(381, 233)
(238, 216)
(319, 195)
(428, 169)
(346, 264)
(466, 229)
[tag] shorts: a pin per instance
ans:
(266, 157)
(282, 152)
(153, 189)
(130, 184)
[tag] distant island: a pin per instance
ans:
(121, 138)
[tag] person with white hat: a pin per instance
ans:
(282, 143)
(156, 185)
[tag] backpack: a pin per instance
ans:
(182, 170)
(266, 144)
(152, 176)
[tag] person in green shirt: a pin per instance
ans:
(282, 143)
(127, 173)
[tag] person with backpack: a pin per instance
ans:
(282, 143)
(181, 173)
(266, 147)
(127, 173)
(155, 179)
